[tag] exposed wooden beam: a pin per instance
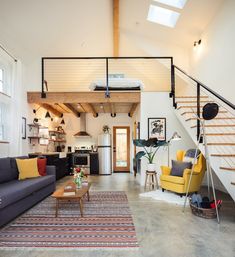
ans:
(49, 108)
(133, 109)
(72, 109)
(89, 108)
(83, 97)
(115, 28)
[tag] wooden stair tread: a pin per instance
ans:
(216, 118)
(191, 96)
(221, 134)
(221, 143)
(190, 112)
(222, 155)
(228, 168)
(188, 107)
(216, 126)
(192, 102)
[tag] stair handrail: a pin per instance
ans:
(207, 88)
(199, 85)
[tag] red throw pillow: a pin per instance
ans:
(42, 166)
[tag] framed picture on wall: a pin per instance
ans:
(23, 128)
(157, 128)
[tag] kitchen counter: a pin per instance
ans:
(61, 154)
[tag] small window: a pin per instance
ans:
(2, 137)
(163, 16)
(174, 3)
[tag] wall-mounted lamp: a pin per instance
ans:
(35, 110)
(62, 122)
(196, 43)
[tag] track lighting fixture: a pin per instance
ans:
(196, 43)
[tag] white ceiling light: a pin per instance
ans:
(175, 3)
(162, 16)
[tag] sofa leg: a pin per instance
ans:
(163, 189)
(181, 195)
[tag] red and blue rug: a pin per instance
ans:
(107, 223)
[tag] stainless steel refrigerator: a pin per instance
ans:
(104, 152)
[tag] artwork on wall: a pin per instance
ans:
(23, 129)
(157, 128)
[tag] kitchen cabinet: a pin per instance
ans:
(94, 164)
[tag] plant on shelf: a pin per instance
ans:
(150, 147)
(106, 129)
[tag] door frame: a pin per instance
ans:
(121, 169)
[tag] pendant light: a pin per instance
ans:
(62, 122)
(47, 115)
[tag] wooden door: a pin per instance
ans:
(121, 149)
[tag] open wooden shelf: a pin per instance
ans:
(57, 132)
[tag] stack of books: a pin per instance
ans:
(70, 190)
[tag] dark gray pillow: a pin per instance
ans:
(179, 167)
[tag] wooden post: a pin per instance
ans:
(115, 28)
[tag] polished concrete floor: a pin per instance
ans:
(162, 228)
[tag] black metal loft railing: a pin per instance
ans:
(106, 66)
(199, 86)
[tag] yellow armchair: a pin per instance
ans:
(180, 184)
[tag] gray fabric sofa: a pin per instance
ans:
(16, 196)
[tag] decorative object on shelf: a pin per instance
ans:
(78, 175)
(23, 131)
(157, 128)
(151, 147)
(106, 129)
(175, 137)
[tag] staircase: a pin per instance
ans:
(220, 131)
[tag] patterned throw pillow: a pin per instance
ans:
(179, 167)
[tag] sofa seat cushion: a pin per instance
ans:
(16, 190)
(173, 179)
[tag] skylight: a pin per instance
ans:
(175, 3)
(162, 16)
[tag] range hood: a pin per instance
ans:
(82, 132)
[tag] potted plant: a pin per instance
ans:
(150, 147)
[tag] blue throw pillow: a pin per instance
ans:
(179, 167)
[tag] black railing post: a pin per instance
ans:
(107, 94)
(172, 93)
(43, 94)
(198, 110)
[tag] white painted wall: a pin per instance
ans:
(213, 61)
(158, 104)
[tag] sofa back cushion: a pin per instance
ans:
(6, 173)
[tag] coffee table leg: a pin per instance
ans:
(81, 207)
(56, 208)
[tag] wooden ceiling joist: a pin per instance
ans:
(133, 109)
(112, 108)
(115, 28)
(83, 97)
(89, 108)
(49, 108)
(72, 109)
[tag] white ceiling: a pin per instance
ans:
(84, 27)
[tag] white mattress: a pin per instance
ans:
(124, 83)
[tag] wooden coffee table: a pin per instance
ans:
(79, 194)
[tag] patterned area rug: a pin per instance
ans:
(107, 223)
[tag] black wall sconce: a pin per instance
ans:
(196, 43)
